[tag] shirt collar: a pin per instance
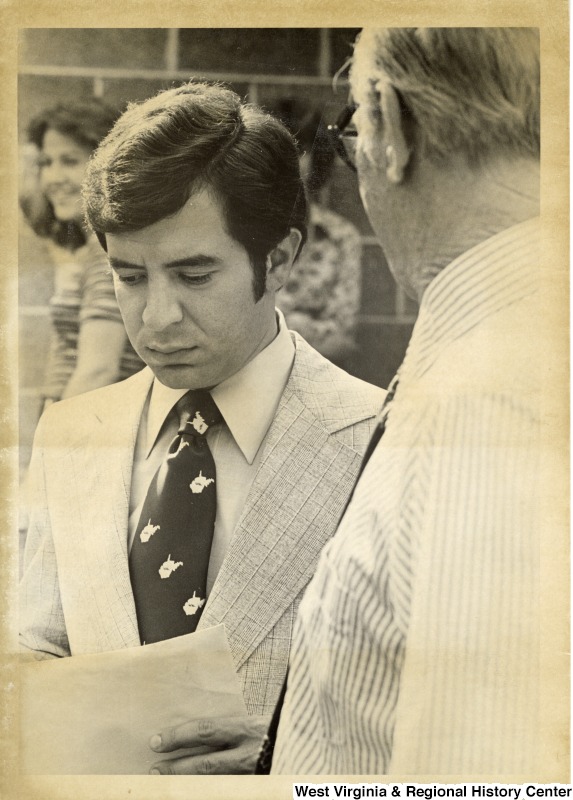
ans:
(482, 281)
(248, 400)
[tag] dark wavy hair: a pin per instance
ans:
(307, 125)
(86, 122)
(199, 136)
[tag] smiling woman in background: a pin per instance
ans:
(89, 347)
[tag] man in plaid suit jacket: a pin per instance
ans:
(199, 241)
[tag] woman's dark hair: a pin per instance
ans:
(306, 124)
(86, 122)
(193, 137)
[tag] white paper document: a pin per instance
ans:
(94, 714)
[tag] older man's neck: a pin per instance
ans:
(470, 207)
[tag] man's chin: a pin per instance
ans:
(179, 376)
(182, 376)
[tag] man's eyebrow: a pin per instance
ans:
(118, 263)
(198, 260)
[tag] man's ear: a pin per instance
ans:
(280, 259)
(397, 151)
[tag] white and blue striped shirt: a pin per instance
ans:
(416, 644)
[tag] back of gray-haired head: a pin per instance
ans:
(472, 92)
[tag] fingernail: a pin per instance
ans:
(155, 742)
(154, 771)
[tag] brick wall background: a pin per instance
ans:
(262, 65)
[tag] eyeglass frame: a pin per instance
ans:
(337, 133)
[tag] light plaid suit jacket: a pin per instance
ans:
(75, 593)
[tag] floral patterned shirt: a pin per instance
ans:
(322, 296)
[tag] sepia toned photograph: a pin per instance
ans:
(290, 489)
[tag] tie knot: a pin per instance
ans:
(197, 412)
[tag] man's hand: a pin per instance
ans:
(224, 746)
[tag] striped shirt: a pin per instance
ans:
(415, 649)
(84, 291)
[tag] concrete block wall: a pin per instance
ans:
(127, 64)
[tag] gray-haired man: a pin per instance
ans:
(416, 645)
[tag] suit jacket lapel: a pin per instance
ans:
(291, 511)
(105, 460)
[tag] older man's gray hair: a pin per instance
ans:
(470, 91)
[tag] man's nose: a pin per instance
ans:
(162, 308)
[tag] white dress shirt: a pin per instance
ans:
(416, 644)
(248, 401)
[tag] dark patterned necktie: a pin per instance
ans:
(265, 760)
(169, 556)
